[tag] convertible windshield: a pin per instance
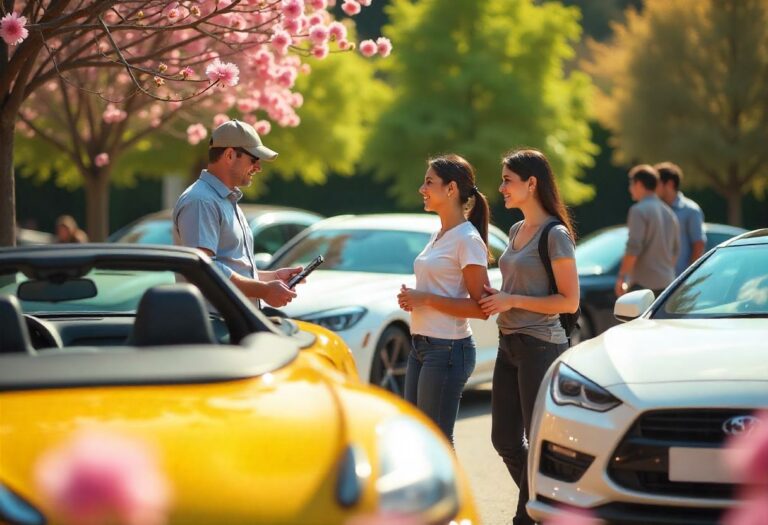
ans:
(379, 251)
(116, 291)
(733, 282)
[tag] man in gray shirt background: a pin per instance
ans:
(689, 215)
(207, 216)
(653, 245)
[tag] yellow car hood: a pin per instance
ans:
(261, 450)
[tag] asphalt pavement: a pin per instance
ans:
(495, 492)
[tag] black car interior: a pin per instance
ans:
(14, 336)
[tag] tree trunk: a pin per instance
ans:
(733, 198)
(7, 182)
(97, 204)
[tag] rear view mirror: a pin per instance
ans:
(51, 292)
(632, 305)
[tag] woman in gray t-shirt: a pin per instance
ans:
(530, 335)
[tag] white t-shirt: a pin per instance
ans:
(438, 270)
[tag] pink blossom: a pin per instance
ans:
(320, 52)
(196, 133)
(368, 48)
(318, 35)
(365, 3)
(316, 19)
(226, 73)
(384, 46)
(305, 69)
(287, 77)
(101, 477)
(101, 160)
(12, 29)
(186, 72)
(337, 31)
(344, 44)
(281, 40)
(293, 25)
(748, 453)
(220, 119)
(292, 8)
(263, 127)
(113, 114)
(351, 7)
(573, 517)
(318, 4)
(296, 100)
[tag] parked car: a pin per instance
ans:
(27, 237)
(354, 293)
(249, 421)
(272, 226)
(632, 425)
(598, 257)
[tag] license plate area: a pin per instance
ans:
(699, 465)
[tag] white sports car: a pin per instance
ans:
(632, 425)
(354, 292)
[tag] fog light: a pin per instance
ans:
(563, 463)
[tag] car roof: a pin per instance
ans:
(749, 238)
(416, 222)
(82, 253)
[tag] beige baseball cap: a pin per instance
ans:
(239, 134)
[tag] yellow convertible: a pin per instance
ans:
(251, 421)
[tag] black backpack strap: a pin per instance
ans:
(544, 254)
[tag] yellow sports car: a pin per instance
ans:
(247, 421)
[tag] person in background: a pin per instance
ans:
(653, 245)
(207, 216)
(689, 215)
(67, 230)
(531, 336)
(450, 274)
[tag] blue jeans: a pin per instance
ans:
(437, 371)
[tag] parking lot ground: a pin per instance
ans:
(495, 492)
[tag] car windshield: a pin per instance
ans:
(378, 251)
(732, 282)
(601, 251)
(150, 232)
(117, 291)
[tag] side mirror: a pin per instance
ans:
(262, 260)
(632, 305)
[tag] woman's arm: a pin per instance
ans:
(475, 276)
(565, 301)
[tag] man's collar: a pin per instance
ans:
(678, 199)
(219, 187)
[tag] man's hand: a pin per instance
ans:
(621, 287)
(277, 293)
(285, 274)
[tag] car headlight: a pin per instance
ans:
(416, 473)
(15, 510)
(571, 388)
(337, 319)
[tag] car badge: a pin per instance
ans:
(740, 425)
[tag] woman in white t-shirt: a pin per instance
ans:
(450, 274)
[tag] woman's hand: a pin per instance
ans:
(496, 301)
(408, 298)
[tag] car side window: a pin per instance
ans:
(269, 239)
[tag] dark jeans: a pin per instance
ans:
(437, 371)
(521, 364)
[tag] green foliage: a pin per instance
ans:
(687, 81)
(479, 78)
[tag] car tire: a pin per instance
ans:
(583, 332)
(391, 359)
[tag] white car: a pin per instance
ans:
(632, 425)
(354, 292)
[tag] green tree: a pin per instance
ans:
(479, 78)
(687, 81)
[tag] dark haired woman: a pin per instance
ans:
(530, 334)
(451, 272)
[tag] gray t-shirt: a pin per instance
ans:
(654, 237)
(523, 273)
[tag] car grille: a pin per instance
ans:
(641, 461)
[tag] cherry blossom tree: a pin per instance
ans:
(94, 79)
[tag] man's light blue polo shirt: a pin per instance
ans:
(207, 216)
(691, 220)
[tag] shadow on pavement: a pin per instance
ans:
(475, 402)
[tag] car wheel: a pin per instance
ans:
(391, 359)
(583, 332)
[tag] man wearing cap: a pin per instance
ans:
(207, 216)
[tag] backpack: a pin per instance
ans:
(569, 321)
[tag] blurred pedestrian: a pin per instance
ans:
(531, 336)
(207, 215)
(450, 273)
(653, 245)
(689, 215)
(67, 230)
